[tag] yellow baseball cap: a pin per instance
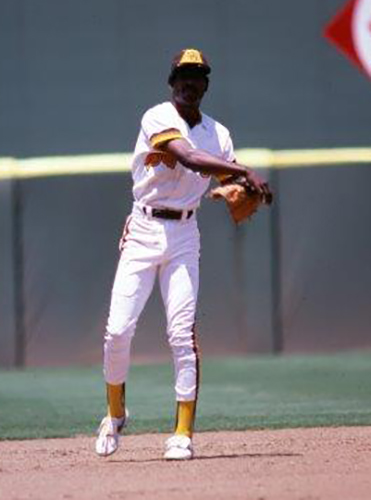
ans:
(189, 57)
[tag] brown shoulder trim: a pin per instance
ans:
(158, 140)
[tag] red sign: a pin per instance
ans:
(350, 31)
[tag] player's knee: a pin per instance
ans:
(119, 329)
(118, 340)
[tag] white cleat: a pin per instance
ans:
(108, 435)
(178, 447)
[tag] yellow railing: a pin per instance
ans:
(120, 162)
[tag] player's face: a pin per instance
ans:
(189, 87)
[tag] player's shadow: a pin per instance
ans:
(213, 457)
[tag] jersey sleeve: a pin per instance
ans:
(160, 127)
(228, 151)
(227, 155)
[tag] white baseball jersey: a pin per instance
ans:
(159, 180)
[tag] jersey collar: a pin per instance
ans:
(201, 123)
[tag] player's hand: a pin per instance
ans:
(259, 185)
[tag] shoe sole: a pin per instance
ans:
(187, 457)
(106, 454)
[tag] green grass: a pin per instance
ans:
(236, 393)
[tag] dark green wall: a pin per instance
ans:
(299, 271)
(77, 75)
(71, 228)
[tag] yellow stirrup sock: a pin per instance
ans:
(116, 400)
(185, 417)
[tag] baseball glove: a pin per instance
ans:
(242, 200)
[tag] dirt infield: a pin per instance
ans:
(301, 464)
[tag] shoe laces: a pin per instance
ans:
(179, 441)
(109, 426)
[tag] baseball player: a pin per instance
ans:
(177, 151)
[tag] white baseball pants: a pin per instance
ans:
(170, 249)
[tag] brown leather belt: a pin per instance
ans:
(167, 213)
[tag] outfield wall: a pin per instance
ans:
(296, 278)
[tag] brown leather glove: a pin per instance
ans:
(242, 200)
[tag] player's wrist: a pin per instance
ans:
(249, 174)
(241, 170)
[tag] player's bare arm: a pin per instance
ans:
(206, 163)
